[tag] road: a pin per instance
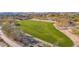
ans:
(8, 41)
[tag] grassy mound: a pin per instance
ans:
(45, 31)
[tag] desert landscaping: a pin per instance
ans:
(40, 29)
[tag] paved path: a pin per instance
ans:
(8, 41)
(42, 20)
(73, 37)
(47, 43)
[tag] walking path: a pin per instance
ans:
(42, 20)
(47, 43)
(12, 43)
(8, 41)
(73, 37)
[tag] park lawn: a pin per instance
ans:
(45, 31)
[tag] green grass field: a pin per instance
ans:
(45, 31)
